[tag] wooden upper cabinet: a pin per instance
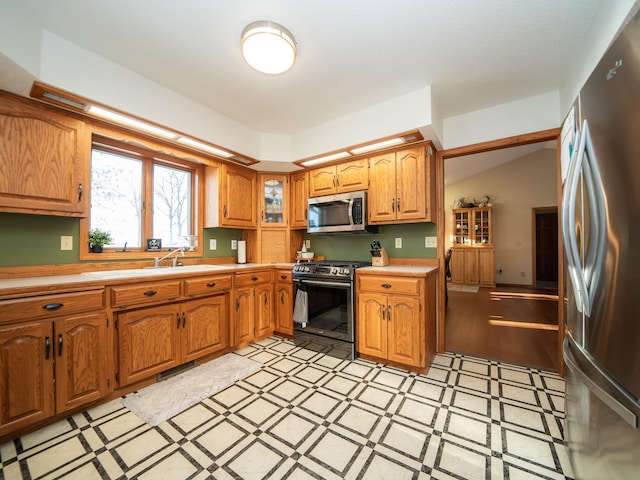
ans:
(299, 194)
(345, 177)
(230, 197)
(402, 186)
(274, 192)
(44, 160)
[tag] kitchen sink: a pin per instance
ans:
(151, 271)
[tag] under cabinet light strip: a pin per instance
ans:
(376, 146)
(326, 158)
(204, 146)
(123, 119)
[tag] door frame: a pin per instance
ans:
(507, 142)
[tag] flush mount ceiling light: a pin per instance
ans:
(268, 47)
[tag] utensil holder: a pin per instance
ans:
(382, 260)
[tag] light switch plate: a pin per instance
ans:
(213, 244)
(66, 242)
(307, 243)
(398, 242)
(430, 242)
(234, 244)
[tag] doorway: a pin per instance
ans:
(545, 248)
(501, 294)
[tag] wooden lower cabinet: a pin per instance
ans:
(395, 319)
(74, 350)
(155, 339)
(389, 328)
(473, 266)
(284, 303)
(253, 313)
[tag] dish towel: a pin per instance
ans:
(300, 312)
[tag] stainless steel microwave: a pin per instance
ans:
(343, 212)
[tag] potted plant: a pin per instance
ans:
(98, 238)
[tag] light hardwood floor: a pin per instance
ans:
(510, 324)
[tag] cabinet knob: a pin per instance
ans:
(150, 293)
(283, 277)
(211, 284)
(254, 279)
(386, 285)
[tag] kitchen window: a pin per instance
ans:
(138, 195)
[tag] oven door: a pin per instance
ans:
(330, 311)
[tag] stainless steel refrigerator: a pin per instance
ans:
(601, 230)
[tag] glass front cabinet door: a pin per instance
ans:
(274, 201)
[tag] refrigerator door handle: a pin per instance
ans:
(626, 414)
(568, 226)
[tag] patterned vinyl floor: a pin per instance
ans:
(306, 415)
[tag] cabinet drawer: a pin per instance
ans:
(44, 306)
(407, 286)
(207, 285)
(253, 278)
(284, 276)
(142, 293)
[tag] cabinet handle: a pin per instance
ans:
(284, 277)
(60, 345)
(282, 298)
(382, 310)
(398, 204)
(265, 298)
(79, 191)
(178, 320)
(337, 180)
(47, 347)
(184, 319)
(254, 279)
(305, 213)
(237, 304)
(386, 285)
(389, 312)
(393, 205)
(53, 306)
(264, 217)
(224, 211)
(211, 284)
(150, 293)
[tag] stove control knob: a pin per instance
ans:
(307, 269)
(345, 271)
(334, 271)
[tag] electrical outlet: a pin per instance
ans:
(213, 244)
(398, 242)
(66, 243)
(234, 244)
(307, 243)
(523, 274)
(430, 242)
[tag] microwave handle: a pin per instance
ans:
(351, 211)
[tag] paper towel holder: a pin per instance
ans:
(242, 251)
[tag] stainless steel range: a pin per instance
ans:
(324, 313)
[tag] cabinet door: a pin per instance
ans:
(382, 188)
(274, 197)
(471, 273)
(486, 267)
(204, 327)
(411, 183)
(45, 160)
(404, 330)
(284, 309)
(26, 375)
(238, 202)
(83, 364)
(149, 342)
(372, 325)
(243, 315)
(352, 176)
(299, 195)
(457, 265)
(322, 181)
(264, 310)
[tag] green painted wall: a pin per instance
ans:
(35, 240)
(356, 247)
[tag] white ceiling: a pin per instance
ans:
(351, 53)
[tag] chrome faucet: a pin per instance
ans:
(157, 260)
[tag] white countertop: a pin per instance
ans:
(423, 269)
(103, 276)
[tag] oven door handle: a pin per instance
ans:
(324, 284)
